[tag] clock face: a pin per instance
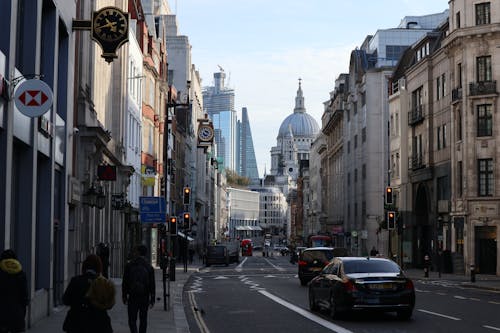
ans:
(110, 24)
(205, 133)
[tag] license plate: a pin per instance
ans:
(380, 286)
(316, 269)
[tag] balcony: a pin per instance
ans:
(416, 162)
(456, 95)
(482, 88)
(416, 115)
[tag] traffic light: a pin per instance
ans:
(388, 196)
(186, 217)
(391, 220)
(172, 225)
(187, 195)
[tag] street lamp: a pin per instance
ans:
(95, 197)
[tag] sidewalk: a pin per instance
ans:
(483, 281)
(173, 320)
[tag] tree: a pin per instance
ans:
(233, 179)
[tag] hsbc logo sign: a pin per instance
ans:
(33, 98)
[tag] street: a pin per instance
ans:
(263, 294)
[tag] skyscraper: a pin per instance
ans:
(218, 103)
(247, 163)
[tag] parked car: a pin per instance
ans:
(355, 283)
(313, 259)
(217, 254)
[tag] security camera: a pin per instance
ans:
(75, 130)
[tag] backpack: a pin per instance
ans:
(101, 293)
(139, 281)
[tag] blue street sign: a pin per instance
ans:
(152, 210)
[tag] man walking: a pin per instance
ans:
(138, 289)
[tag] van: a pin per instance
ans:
(217, 254)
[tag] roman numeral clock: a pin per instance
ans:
(109, 27)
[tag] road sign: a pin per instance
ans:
(33, 98)
(152, 210)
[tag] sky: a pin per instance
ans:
(265, 46)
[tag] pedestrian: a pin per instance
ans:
(89, 296)
(373, 252)
(191, 255)
(13, 293)
(103, 253)
(138, 289)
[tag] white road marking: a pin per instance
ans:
(306, 314)
(491, 327)
(277, 267)
(460, 297)
(269, 276)
(220, 277)
(493, 302)
(240, 266)
(475, 299)
(439, 314)
(442, 294)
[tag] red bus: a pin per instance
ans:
(319, 240)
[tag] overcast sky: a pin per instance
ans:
(265, 46)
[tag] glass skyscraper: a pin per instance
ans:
(247, 163)
(218, 103)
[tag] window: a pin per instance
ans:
(484, 120)
(438, 87)
(393, 52)
(483, 67)
(438, 138)
(485, 179)
(355, 141)
(483, 13)
(363, 134)
(443, 85)
(355, 175)
(459, 124)
(459, 72)
(457, 15)
(459, 178)
(363, 171)
(363, 98)
(355, 107)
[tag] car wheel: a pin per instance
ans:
(312, 302)
(405, 314)
(333, 308)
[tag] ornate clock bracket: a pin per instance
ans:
(111, 35)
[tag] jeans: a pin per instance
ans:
(142, 309)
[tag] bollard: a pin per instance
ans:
(472, 273)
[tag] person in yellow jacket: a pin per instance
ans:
(14, 293)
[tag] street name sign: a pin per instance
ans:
(152, 210)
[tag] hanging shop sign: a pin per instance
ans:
(33, 98)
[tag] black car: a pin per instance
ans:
(356, 283)
(313, 259)
(217, 254)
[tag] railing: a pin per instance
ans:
(483, 88)
(416, 162)
(416, 115)
(456, 94)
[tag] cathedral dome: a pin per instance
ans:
(299, 122)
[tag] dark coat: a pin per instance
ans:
(13, 296)
(126, 283)
(82, 317)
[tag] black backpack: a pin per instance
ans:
(139, 281)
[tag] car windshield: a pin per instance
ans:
(370, 266)
(325, 255)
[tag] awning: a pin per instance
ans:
(248, 227)
(184, 235)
